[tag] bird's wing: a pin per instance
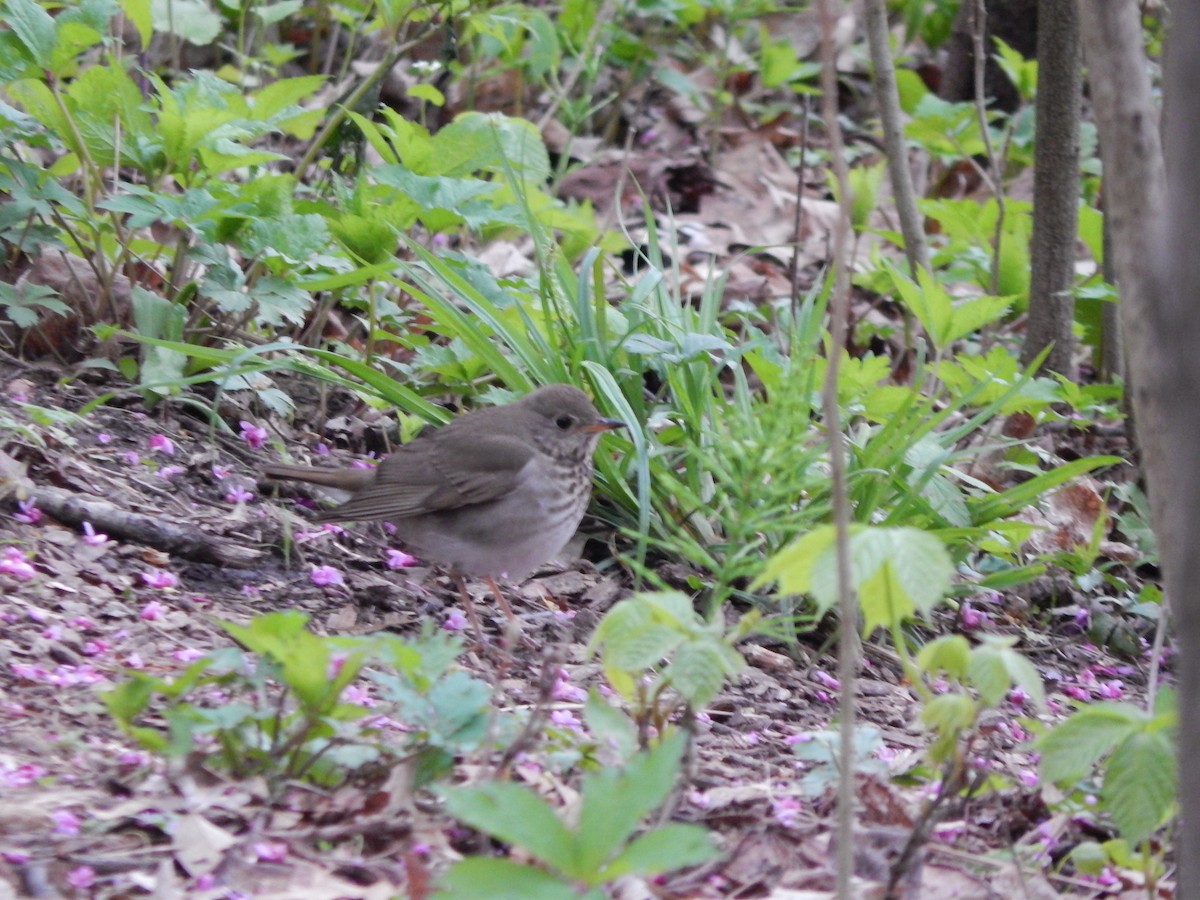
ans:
(449, 471)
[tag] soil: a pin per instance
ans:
(88, 812)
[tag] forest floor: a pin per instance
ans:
(85, 805)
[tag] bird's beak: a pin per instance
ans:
(603, 425)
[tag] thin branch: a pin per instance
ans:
(839, 315)
(887, 95)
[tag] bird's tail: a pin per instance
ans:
(342, 479)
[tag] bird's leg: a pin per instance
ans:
(469, 607)
(500, 599)
(513, 632)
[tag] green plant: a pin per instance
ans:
(574, 861)
(662, 657)
(896, 573)
(1126, 757)
(819, 751)
(280, 712)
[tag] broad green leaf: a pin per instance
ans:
(72, 39)
(428, 93)
(620, 623)
(792, 567)
(271, 13)
(927, 300)
(374, 136)
(612, 728)
(971, 315)
(1089, 857)
(950, 654)
(665, 849)
(34, 28)
(948, 715)
(490, 142)
(672, 607)
(643, 648)
(366, 239)
(1140, 788)
(616, 800)
(697, 671)
(138, 14)
(501, 879)
(279, 95)
(193, 20)
(1071, 748)
(995, 666)
(129, 698)
(896, 571)
(21, 304)
(515, 815)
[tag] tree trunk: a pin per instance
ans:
(1173, 401)
(1155, 235)
(1013, 21)
(1055, 187)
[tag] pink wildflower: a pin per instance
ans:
(238, 494)
(160, 578)
(268, 851)
(29, 513)
(82, 877)
(90, 537)
(398, 559)
(325, 576)
(254, 436)
(65, 822)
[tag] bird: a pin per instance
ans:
(494, 493)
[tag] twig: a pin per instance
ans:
(848, 647)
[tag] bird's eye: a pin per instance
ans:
(564, 422)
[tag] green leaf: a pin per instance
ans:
(428, 93)
(192, 20)
(270, 13)
(610, 726)
(138, 14)
(22, 302)
(616, 800)
(950, 654)
(672, 607)
(895, 571)
(366, 239)
(129, 699)
(279, 95)
(1139, 789)
(493, 143)
(697, 671)
(948, 715)
(34, 28)
(1071, 748)
(665, 849)
(502, 879)
(515, 815)
(995, 666)
(1089, 857)
(71, 40)
(792, 567)
(642, 649)
(1009, 502)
